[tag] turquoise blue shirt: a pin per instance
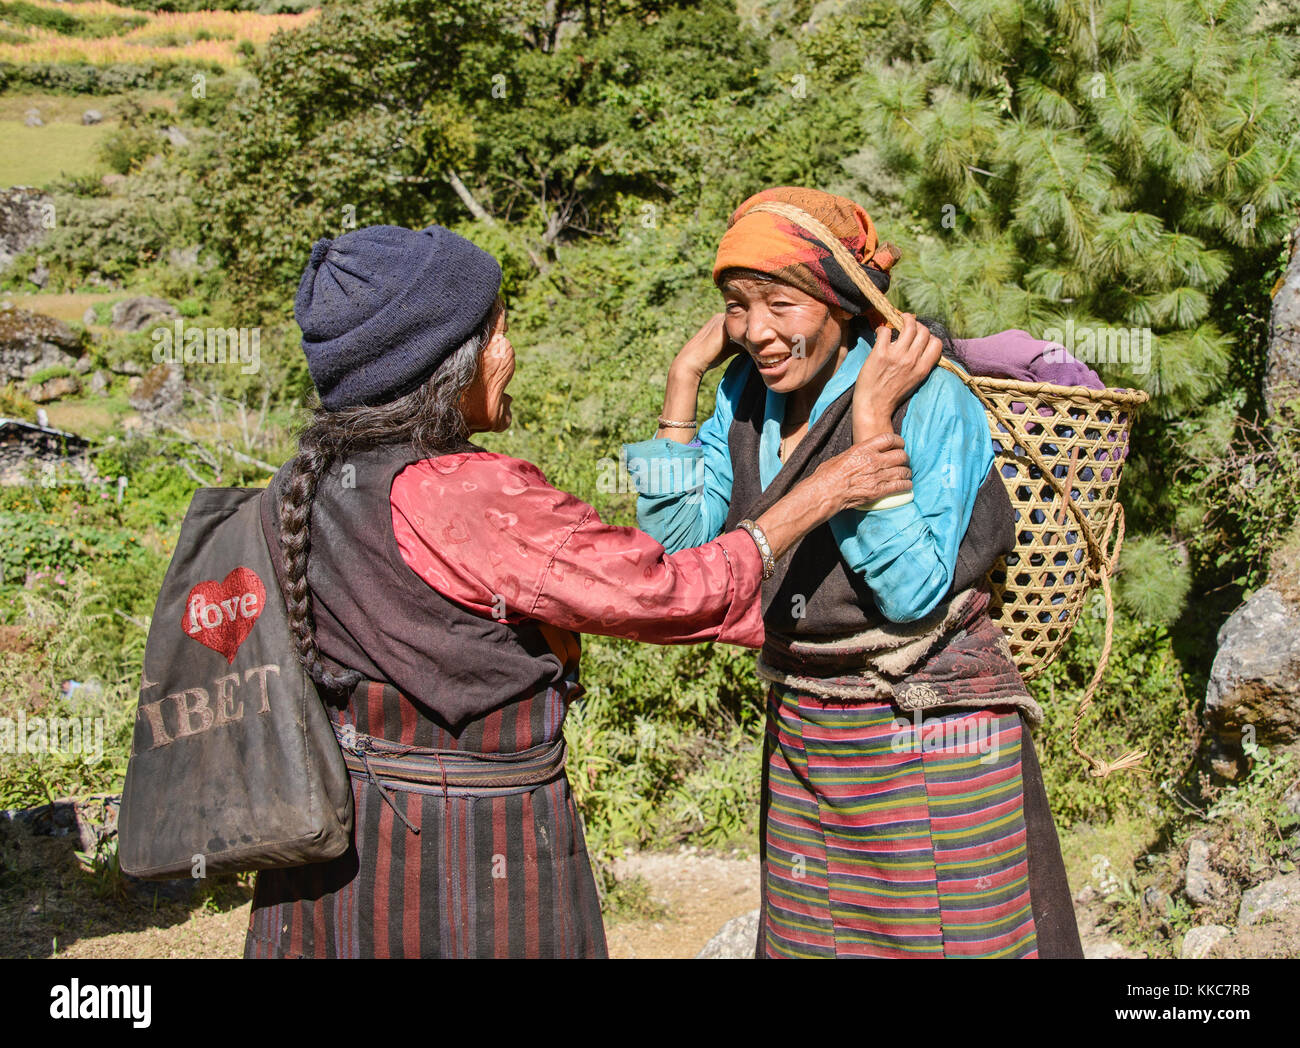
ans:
(906, 555)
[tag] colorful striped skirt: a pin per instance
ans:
(893, 835)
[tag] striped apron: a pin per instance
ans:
(900, 835)
(496, 870)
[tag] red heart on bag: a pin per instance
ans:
(220, 615)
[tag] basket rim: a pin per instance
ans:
(1133, 397)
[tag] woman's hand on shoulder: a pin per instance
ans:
(706, 349)
(896, 365)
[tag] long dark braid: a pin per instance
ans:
(429, 419)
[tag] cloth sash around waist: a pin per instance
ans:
(451, 773)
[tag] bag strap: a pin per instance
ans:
(1100, 565)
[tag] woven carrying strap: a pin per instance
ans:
(1034, 643)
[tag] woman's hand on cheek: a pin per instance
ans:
(707, 348)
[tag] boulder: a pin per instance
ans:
(736, 939)
(23, 222)
(1282, 374)
(1254, 688)
(31, 342)
(32, 118)
(1200, 940)
(54, 389)
(1279, 894)
(88, 317)
(92, 116)
(1203, 884)
(99, 382)
(160, 391)
(40, 276)
(143, 311)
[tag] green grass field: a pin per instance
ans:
(34, 156)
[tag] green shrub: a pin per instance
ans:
(128, 146)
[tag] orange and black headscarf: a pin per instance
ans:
(769, 244)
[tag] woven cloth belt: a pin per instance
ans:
(449, 773)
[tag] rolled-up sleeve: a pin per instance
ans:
(907, 555)
(684, 490)
(490, 533)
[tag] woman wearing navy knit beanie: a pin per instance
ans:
(436, 592)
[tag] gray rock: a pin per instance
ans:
(23, 222)
(32, 118)
(1203, 884)
(1281, 893)
(88, 317)
(98, 382)
(734, 940)
(40, 276)
(1255, 678)
(1109, 950)
(1155, 901)
(161, 390)
(127, 366)
(92, 116)
(136, 314)
(176, 137)
(54, 389)
(83, 365)
(31, 342)
(1201, 940)
(1283, 368)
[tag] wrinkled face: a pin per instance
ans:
(485, 403)
(793, 338)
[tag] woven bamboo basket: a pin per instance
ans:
(1060, 450)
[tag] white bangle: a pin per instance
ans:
(889, 501)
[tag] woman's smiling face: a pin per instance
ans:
(791, 336)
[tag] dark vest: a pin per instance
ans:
(835, 600)
(375, 615)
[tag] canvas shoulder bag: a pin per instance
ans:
(234, 763)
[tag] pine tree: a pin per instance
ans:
(1114, 163)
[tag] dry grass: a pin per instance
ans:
(68, 307)
(166, 38)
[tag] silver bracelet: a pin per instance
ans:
(764, 549)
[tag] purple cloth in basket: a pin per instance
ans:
(1016, 354)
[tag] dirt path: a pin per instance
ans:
(696, 895)
(669, 904)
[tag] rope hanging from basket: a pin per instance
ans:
(1100, 566)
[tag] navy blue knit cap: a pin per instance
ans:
(382, 307)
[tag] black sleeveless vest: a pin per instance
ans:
(813, 577)
(375, 615)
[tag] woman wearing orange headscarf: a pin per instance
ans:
(903, 809)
